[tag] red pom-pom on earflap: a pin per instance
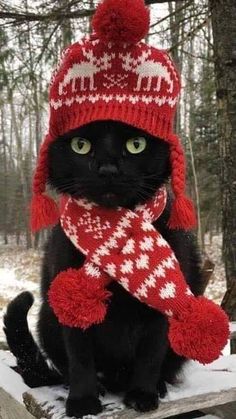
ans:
(43, 212)
(200, 331)
(182, 214)
(78, 301)
(120, 21)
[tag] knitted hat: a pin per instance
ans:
(114, 75)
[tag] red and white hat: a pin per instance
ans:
(114, 75)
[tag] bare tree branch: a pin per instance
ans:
(190, 34)
(162, 1)
(18, 16)
(170, 14)
(56, 15)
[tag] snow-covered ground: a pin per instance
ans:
(218, 377)
(19, 271)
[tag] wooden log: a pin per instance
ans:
(10, 408)
(229, 300)
(51, 410)
(207, 271)
(3, 346)
(226, 411)
(177, 407)
(202, 387)
(38, 410)
(233, 330)
(49, 403)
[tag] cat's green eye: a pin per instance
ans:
(136, 145)
(80, 145)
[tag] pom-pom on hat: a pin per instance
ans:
(114, 75)
(120, 21)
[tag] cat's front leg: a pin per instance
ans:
(83, 387)
(143, 387)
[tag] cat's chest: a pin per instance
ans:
(123, 324)
(126, 321)
(125, 313)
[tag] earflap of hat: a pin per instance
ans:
(43, 209)
(182, 212)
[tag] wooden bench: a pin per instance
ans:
(11, 409)
(202, 388)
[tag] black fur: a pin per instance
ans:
(22, 344)
(131, 346)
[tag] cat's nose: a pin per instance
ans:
(108, 169)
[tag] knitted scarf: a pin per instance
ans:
(122, 245)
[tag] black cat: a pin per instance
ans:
(112, 164)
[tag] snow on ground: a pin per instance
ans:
(233, 327)
(222, 375)
(197, 379)
(19, 271)
(8, 377)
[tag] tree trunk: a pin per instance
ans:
(20, 159)
(223, 14)
(66, 30)
(5, 181)
(192, 129)
(175, 36)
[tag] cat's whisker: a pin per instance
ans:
(147, 188)
(143, 194)
(150, 176)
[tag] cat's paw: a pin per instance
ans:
(142, 401)
(101, 389)
(162, 389)
(84, 406)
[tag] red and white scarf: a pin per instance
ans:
(122, 245)
(125, 245)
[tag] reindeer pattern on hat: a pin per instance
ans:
(85, 70)
(147, 69)
(150, 79)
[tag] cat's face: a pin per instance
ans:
(110, 163)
